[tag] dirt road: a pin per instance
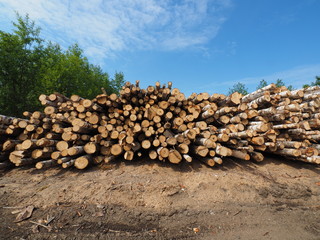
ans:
(276, 199)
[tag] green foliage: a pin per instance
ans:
(117, 82)
(240, 88)
(70, 73)
(290, 87)
(262, 84)
(279, 83)
(29, 66)
(317, 82)
(20, 55)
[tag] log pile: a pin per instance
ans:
(160, 123)
(292, 116)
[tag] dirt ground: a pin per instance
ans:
(275, 199)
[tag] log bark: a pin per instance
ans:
(46, 164)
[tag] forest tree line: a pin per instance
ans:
(30, 66)
(241, 87)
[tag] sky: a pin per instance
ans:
(199, 45)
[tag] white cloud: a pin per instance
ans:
(104, 27)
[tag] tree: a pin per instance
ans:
(20, 54)
(240, 88)
(262, 84)
(317, 82)
(290, 87)
(117, 82)
(30, 66)
(280, 83)
(70, 73)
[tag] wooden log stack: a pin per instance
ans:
(160, 123)
(293, 118)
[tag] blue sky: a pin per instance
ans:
(199, 45)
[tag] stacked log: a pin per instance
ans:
(292, 115)
(12, 133)
(160, 123)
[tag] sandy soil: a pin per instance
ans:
(276, 199)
